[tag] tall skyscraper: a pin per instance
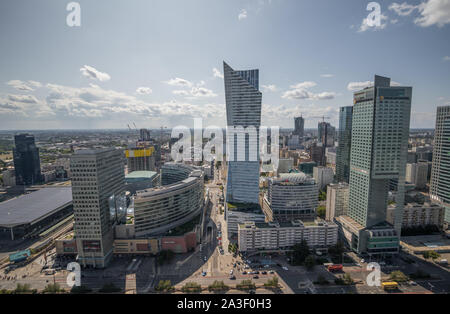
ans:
(27, 164)
(379, 147)
(440, 173)
(344, 139)
(299, 127)
(326, 134)
(243, 104)
(98, 184)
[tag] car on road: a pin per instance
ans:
(204, 273)
(264, 273)
(204, 258)
(285, 268)
(233, 277)
(271, 272)
(279, 265)
(244, 273)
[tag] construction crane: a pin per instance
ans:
(320, 117)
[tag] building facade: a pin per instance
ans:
(337, 200)
(98, 185)
(440, 173)
(344, 140)
(417, 174)
(243, 107)
(419, 215)
(292, 196)
(283, 236)
(323, 176)
(27, 164)
(160, 209)
(299, 127)
(379, 147)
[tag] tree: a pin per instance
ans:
(398, 276)
(321, 211)
(191, 287)
(272, 283)
(322, 196)
(431, 254)
(300, 252)
(246, 285)
(218, 286)
(52, 288)
(164, 286)
(310, 262)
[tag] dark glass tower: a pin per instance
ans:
(343, 151)
(26, 160)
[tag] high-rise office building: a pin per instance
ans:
(344, 139)
(243, 104)
(379, 147)
(440, 173)
(27, 164)
(326, 133)
(299, 127)
(98, 185)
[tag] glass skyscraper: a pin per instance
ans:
(440, 174)
(299, 124)
(343, 150)
(26, 160)
(243, 106)
(379, 147)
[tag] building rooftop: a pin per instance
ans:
(35, 206)
(141, 174)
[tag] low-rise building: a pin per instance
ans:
(319, 234)
(419, 215)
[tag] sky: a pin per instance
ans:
(159, 63)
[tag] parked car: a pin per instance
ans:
(255, 277)
(233, 277)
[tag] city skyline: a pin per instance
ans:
(74, 79)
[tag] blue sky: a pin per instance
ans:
(159, 62)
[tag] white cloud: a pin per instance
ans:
(179, 82)
(365, 24)
(355, 86)
(242, 15)
(144, 90)
(195, 92)
(270, 88)
(24, 86)
(327, 75)
(28, 99)
(300, 91)
(403, 9)
(431, 12)
(217, 73)
(94, 74)
(434, 12)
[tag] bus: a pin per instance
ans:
(337, 267)
(391, 285)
